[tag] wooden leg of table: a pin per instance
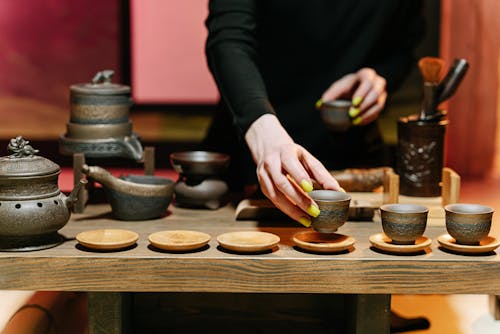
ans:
(368, 314)
(494, 301)
(109, 312)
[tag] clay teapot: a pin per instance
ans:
(32, 208)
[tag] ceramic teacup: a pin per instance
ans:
(335, 114)
(334, 207)
(468, 223)
(403, 223)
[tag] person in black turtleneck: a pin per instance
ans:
(272, 60)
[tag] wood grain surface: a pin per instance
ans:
(285, 269)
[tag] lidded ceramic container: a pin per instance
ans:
(99, 123)
(32, 208)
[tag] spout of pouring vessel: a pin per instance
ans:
(75, 193)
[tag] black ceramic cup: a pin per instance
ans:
(420, 155)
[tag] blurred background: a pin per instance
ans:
(157, 47)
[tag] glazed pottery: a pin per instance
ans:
(32, 208)
(334, 207)
(468, 224)
(403, 223)
(201, 181)
(134, 197)
(335, 115)
(99, 123)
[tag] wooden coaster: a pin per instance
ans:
(107, 239)
(248, 241)
(323, 242)
(486, 245)
(383, 242)
(179, 240)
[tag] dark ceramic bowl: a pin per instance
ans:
(334, 207)
(335, 114)
(468, 223)
(199, 163)
(403, 223)
(146, 197)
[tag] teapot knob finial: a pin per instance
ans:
(20, 148)
(103, 77)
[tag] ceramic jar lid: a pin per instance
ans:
(101, 85)
(23, 162)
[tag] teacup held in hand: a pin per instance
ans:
(334, 207)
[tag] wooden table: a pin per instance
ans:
(367, 276)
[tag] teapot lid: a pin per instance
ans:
(101, 85)
(23, 162)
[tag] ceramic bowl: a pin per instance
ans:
(403, 223)
(468, 223)
(334, 207)
(147, 197)
(199, 163)
(335, 114)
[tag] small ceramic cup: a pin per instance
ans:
(335, 114)
(403, 223)
(468, 223)
(334, 207)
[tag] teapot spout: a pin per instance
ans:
(75, 193)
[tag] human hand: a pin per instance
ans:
(282, 166)
(367, 90)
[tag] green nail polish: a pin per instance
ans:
(306, 186)
(357, 101)
(319, 103)
(313, 211)
(353, 112)
(305, 221)
(357, 121)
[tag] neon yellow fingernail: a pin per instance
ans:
(313, 211)
(356, 121)
(353, 112)
(357, 101)
(306, 186)
(319, 103)
(305, 221)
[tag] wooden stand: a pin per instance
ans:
(148, 159)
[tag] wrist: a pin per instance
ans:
(264, 134)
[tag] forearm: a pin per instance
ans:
(231, 51)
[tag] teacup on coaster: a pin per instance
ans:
(403, 223)
(334, 207)
(468, 223)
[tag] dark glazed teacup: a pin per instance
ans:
(334, 207)
(403, 223)
(335, 114)
(468, 223)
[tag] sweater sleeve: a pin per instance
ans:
(407, 28)
(231, 50)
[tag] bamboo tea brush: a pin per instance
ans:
(430, 68)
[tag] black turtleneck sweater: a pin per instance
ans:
(279, 56)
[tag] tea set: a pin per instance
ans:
(33, 209)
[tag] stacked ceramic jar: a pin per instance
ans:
(99, 124)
